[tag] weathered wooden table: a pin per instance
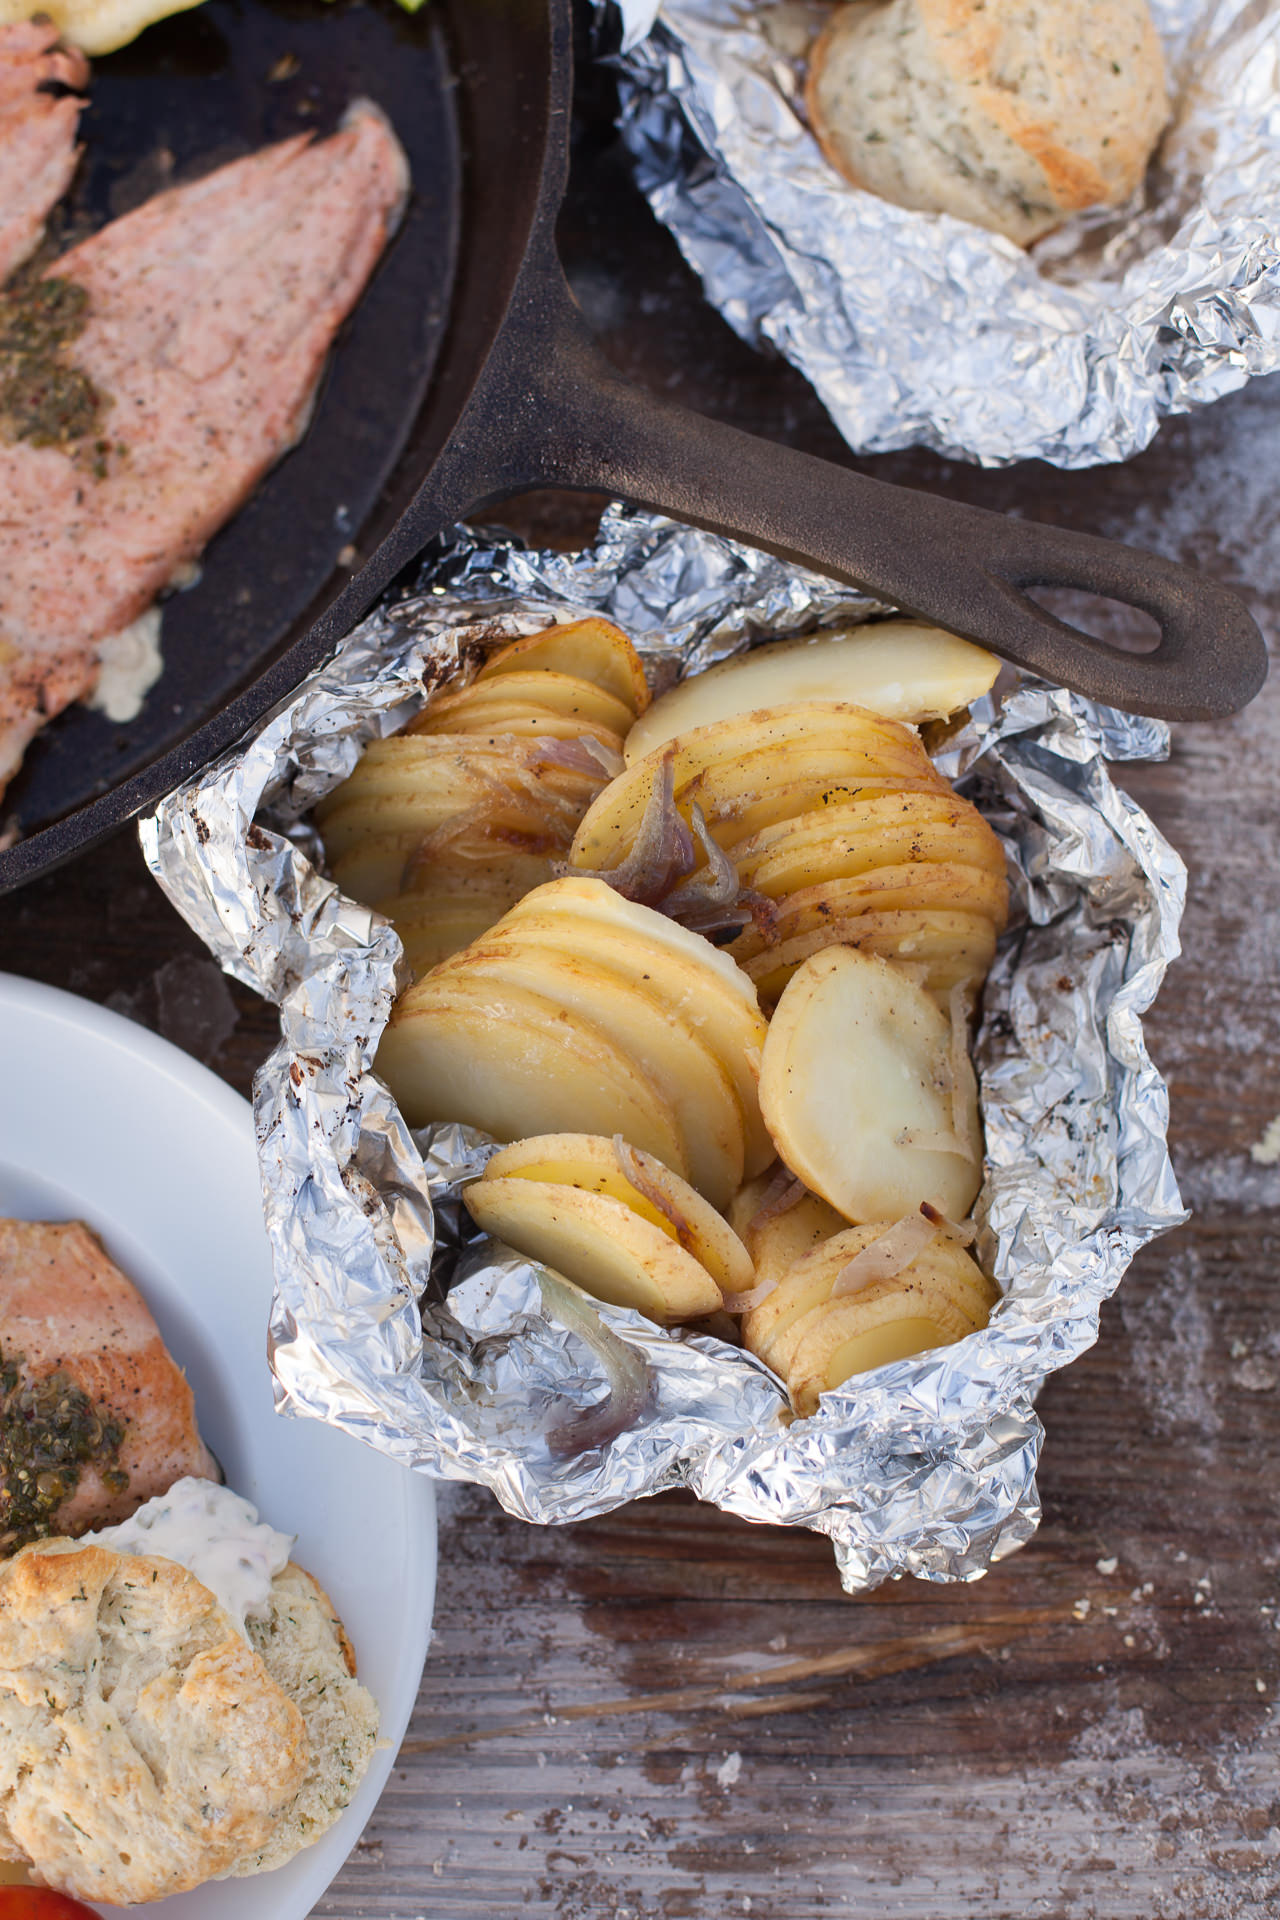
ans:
(669, 1713)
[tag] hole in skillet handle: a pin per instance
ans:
(1208, 661)
(1114, 623)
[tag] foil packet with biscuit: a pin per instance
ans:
(396, 1321)
(924, 330)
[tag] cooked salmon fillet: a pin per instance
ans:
(210, 311)
(71, 1320)
(38, 149)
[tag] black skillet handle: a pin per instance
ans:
(559, 415)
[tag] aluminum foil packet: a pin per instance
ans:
(920, 329)
(397, 1322)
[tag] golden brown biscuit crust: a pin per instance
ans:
(144, 1747)
(1003, 112)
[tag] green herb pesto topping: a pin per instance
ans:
(45, 398)
(49, 1430)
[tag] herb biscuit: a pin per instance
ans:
(145, 1744)
(1008, 113)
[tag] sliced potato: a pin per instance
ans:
(372, 868)
(857, 1334)
(596, 901)
(647, 1031)
(565, 694)
(901, 669)
(948, 948)
(591, 1162)
(380, 867)
(518, 720)
(699, 982)
(942, 1274)
(730, 769)
(404, 847)
(790, 799)
(804, 1288)
(457, 770)
(598, 1243)
(784, 1238)
(747, 1201)
(916, 887)
(733, 1035)
(434, 926)
(404, 764)
(856, 1068)
(514, 1063)
(943, 1283)
(594, 649)
(740, 798)
(882, 830)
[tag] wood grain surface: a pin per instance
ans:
(669, 1713)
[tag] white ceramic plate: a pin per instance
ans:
(103, 1122)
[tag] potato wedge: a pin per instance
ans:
(598, 1243)
(593, 649)
(856, 1088)
(591, 1162)
(948, 949)
(647, 1031)
(514, 1063)
(901, 669)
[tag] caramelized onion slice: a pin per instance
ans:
(962, 1232)
(783, 1192)
(629, 1161)
(894, 1250)
(661, 854)
(744, 1302)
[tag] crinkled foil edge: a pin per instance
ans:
(920, 329)
(925, 1467)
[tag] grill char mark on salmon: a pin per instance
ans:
(66, 1309)
(210, 311)
(38, 149)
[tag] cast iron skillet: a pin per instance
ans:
(521, 397)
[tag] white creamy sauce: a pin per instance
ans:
(214, 1533)
(130, 663)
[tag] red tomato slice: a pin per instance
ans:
(38, 1903)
